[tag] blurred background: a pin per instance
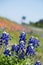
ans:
(22, 15)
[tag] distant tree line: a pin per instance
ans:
(38, 23)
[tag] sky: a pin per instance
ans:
(15, 9)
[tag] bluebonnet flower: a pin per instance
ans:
(23, 37)
(30, 50)
(7, 52)
(6, 42)
(5, 38)
(3, 35)
(18, 48)
(31, 40)
(37, 63)
(21, 45)
(15, 48)
(34, 41)
(22, 55)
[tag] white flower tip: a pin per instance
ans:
(4, 32)
(21, 41)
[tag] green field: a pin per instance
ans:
(15, 39)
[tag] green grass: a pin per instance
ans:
(15, 39)
(39, 55)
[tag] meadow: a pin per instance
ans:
(28, 60)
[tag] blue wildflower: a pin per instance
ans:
(7, 52)
(6, 42)
(30, 50)
(23, 37)
(5, 38)
(22, 55)
(15, 48)
(21, 45)
(34, 41)
(38, 63)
